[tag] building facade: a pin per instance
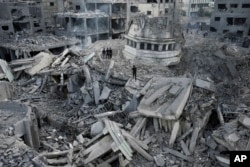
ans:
(21, 16)
(192, 7)
(156, 40)
(231, 16)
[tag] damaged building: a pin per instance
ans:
(21, 16)
(86, 26)
(155, 39)
(231, 17)
(103, 19)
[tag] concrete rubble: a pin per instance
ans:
(64, 105)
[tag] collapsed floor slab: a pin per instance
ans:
(165, 97)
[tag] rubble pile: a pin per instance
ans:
(14, 152)
(92, 113)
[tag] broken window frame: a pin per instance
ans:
(245, 5)
(222, 7)
(233, 5)
(216, 18)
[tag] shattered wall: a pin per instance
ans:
(191, 7)
(21, 16)
(93, 24)
(231, 16)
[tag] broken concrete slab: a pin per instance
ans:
(174, 133)
(105, 93)
(210, 142)
(108, 73)
(194, 138)
(185, 148)
(60, 58)
(159, 160)
(204, 85)
(98, 149)
(119, 140)
(89, 83)
(166, 108)
(88, 57)
(7, 70)
(223, 160)
(184, 135)
(132, 105)
(86, 96)
(41, 60)
(233, 137)
(178, 154)
(6, 90)
(245, 121)
(96, 128)
(96, 89)
(220, 116)
(138, 126)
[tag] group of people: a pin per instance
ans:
(107, 53)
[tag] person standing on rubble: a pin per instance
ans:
(110, 50)
(134, 72)
(106, 53)
(103, 52)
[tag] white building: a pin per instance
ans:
(191, 7)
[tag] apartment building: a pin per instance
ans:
(192, 7)
(231, 16)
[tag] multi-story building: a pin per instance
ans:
(155, 8)
(50, 7)
(21, 16)
(192, 7)
(87, 26)
(231, 16)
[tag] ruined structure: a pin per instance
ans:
(153, 40)
(95, 19)
(50, 7)
(115, 9)
(192, 7)
(21, 16)
(153, 7)
(83, 25)
(231, 16)
(27, 46)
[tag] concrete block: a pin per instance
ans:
(96, 92)
(174, 133)
(245, 121)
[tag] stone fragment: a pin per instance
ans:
(245, 121)
(96, 128)
(159, 160)
(80, 139)
(174, 133)
(96, 92)
(211, 143)
(233, 137)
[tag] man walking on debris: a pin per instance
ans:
(106, 53)
(103, 52)
(110, 56)
(134, 72)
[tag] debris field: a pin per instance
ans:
(77, 108)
